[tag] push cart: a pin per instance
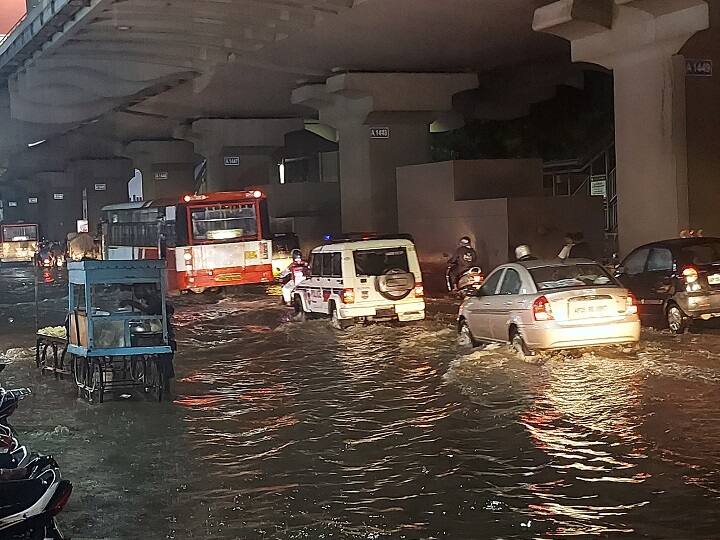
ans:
(117, 327)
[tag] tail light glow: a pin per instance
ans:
(61, 498)
(257, 194)
(419, 290)
(631, 307)
(348, 296)
(690, 274)
(542, 310)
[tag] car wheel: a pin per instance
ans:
(335, 320)
(519, 347)
(677, 321)
(299, 314)
(465, 338)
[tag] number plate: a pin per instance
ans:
(714, 279)
(388, 312)
(251, 255)
(590, 309)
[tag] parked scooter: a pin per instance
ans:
(28, 507)
(472, 278)
(32, 491)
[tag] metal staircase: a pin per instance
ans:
(594, 175)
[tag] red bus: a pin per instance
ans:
(211, 240)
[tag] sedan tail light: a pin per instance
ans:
(690, 274)
(631, 304)
(542, 311)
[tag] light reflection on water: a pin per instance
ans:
(282, 430)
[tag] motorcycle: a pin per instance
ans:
(28, 505)
(472, 278)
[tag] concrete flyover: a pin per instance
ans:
(174, 83)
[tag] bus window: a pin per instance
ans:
(224, 222)
(19, 233)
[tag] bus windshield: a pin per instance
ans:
(229, 222)
(19, 233)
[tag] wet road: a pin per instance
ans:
(296, 431)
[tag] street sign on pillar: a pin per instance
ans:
(699, 68)
(379, 133)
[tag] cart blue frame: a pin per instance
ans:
(97, 368)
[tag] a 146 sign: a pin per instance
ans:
(379, 133)
(699, 68)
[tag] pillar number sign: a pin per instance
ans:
(100, 187)
(161, 175)
(12, 203)
(232, 161)
(698, 68)
(58, 196)
(379, 133)
(32, 200)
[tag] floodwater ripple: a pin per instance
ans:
(282, 430)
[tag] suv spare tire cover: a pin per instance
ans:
(395, 284)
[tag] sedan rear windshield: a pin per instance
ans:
(376, 262)
(705, 253)
(572, 275)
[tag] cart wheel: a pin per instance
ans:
(95, 383)
(158, 377)
(137, 373)
(79, 367)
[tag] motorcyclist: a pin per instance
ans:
(575, 247)
(523, 253)
(464, 259)
(293, 275)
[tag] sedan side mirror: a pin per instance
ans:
(473, 292)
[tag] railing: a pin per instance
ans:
(591, 176)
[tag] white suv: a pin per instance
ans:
(358, 281)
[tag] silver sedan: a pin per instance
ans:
(549, 305)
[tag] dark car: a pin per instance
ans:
(675, 281)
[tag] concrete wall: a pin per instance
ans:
(427, 209)
(498, 178)
(310, 209)
(542, 222)
(703, 129)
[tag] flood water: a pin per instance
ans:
(295, 431)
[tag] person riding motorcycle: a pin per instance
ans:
(293, 275)
(464, 259)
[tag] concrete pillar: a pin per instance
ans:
(168, 167)
(383, 122)
(105, 181)
(59, 203)
(240, 152)
(639, 41)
